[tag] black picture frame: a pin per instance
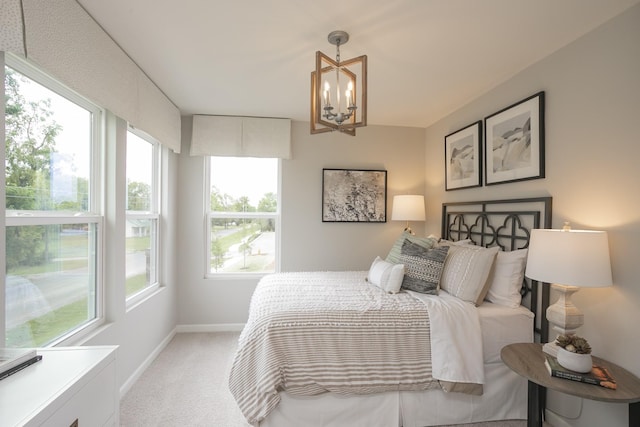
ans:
(354, 195)
(463, 157)
(514, 142)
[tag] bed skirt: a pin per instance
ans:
(504, 398)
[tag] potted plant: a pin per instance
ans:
(574, 353)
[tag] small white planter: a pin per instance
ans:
(575, 361)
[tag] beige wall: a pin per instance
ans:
(310, 244)
(307, 242)
(592, 91)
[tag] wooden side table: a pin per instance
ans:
(527, 360)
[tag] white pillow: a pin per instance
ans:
(466, 271)
(507, 277)
(386, 275)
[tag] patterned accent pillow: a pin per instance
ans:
(422, 267)
(396, 249)
(467, 270)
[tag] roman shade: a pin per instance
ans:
(63, 39)
(241, 137)
(11, 35)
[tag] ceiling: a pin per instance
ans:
(426, 58)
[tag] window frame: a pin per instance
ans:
(94, 213)
(209, 215)
(153, 214)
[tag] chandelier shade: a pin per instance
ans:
(338, 91)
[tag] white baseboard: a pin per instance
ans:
(220, 327)
(138, 372)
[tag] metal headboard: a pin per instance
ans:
(507, 224)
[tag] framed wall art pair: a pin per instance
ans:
(513, 148)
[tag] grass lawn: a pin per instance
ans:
(41, 330)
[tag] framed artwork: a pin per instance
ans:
(351, 195)
(462, 154)
(514, 142)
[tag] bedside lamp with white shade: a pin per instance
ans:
(568, 259)
(408, 208)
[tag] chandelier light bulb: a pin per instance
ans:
(326, 93)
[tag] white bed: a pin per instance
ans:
(464, 379)
(504, 396)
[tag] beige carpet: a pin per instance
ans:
(187, 386)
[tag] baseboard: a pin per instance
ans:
(220, 327)
(147, 362)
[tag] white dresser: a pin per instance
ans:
(70, 386)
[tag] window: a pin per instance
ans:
(142, 214)
(243, 215)
(53, 214)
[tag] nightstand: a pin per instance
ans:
(527, 360)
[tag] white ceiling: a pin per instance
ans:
(426, 58)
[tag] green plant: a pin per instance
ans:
(573, 343)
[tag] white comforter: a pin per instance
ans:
(456, 339)
(311, 333)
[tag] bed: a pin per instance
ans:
(414, 341)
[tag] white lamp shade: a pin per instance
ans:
(569, 257)
(408, 208)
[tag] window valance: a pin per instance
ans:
(62, 38)
(241, 137)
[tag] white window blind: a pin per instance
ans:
(241, 137)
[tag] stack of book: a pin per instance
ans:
(13, 360)
(599, 375)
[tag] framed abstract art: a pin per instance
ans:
(352, 195)
(463, 157)
(514, 142)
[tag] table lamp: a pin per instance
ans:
(408, 208)
(568, 259)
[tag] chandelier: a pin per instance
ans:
(338, 90)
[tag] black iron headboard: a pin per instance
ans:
(508, 224)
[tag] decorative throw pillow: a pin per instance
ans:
(423, 267)
(506, 279)
(466, 272)
(386, 275)
(425, 242)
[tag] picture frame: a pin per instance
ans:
(514, 142)
(463, 157)
(354, 195)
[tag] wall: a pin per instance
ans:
(592, 149)
(140, 330)
(307, 242)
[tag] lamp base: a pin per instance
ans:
(565, 316)
(408, 229)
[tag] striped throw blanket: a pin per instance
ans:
(310, 333)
